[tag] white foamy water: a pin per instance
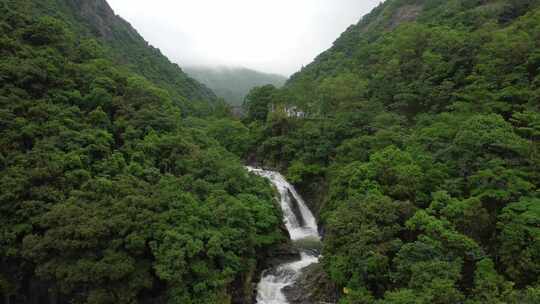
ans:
(270, 288)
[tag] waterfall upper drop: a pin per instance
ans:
(301, 225)
(294, 225)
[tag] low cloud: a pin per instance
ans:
(276, 36)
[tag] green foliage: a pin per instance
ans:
(258, 101)
(232, 135)
(520, 240)
(46, 31)
(110, 195)
(120, 43)
(362, 233)
(421, 139)
(490, 287)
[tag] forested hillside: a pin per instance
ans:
(124, 45)
(419, 144)
(233, 84)
(111, 190)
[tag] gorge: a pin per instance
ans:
(303, 231)
(414, 140)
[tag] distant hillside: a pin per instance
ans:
(233, 84)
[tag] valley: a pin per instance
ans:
(401, 166)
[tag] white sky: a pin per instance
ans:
(276, 36)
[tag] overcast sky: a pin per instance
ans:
(277, 36)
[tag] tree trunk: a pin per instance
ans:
(53, 296)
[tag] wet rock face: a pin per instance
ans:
(312, 287)
(407, 13)
(296, 209)
(101, 17)
(283, 253)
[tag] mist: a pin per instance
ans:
(277, 36)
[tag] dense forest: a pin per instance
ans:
(114, 188)
(233, 84)
(419, 148)
(415, 139)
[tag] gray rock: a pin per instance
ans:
(313, 287)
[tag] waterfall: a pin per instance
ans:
(302, 226)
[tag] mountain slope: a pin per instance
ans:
(355, 52)
(233, 84)
(419, 146)
(109, 193)
(97, 20)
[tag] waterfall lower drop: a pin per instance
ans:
(304, 229)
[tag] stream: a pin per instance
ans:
(302, 228)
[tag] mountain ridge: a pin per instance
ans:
(98, 20)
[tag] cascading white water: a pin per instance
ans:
(269, 289)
